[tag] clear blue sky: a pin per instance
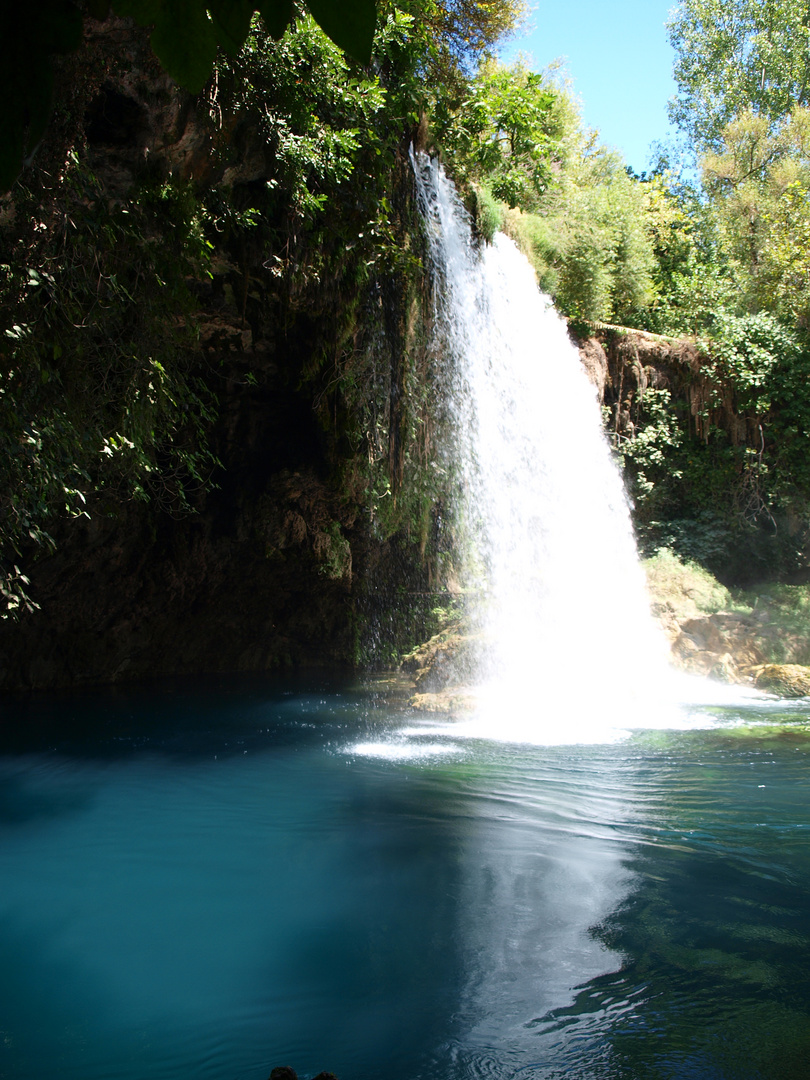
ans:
(619, 59)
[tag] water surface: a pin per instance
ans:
(209, 882)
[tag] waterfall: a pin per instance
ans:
(553, 567)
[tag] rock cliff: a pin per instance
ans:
(311, 360)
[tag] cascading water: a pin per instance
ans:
(554, 564)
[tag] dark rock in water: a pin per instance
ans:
(284, 1072)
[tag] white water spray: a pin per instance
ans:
(566, 613)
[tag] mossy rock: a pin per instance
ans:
(423, 655)
(450, 701)
(786, 680)
(450, 658)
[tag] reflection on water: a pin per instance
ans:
(541, 867)
(207, 883)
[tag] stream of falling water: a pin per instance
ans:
(571, 650)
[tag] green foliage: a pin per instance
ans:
(691, 297)
(744, 87)
(758, 183)
(335, 554)
(454, 36)
(690, 282)
(787, 608)
(98, 389)
(185, 37)
(506, 132)
(747, 354)
(105, 397)
(701, 536)
(540, 241)
(647, 456)
(684, 587)
(568, 202)
(590, 244)
(719, 471)
(720, 506)
(606, 269)
(738, 498)
(765, 367)
(788, 430)
(487, 212)
(336, 231)
(310, 111)
(744, 81)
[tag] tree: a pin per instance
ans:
(605, 260)
(506, 132)
(737, 54)
(759, 184)
(186, 35)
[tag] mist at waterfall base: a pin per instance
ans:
(201, 880)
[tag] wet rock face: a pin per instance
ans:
(452, 663)
(448, 659)
(246, 585)
(595, 362)
(740, 647)
(272, 569)
(723, 646)
(446, 702)
(137, 114)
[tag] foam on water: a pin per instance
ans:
(401, 749)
